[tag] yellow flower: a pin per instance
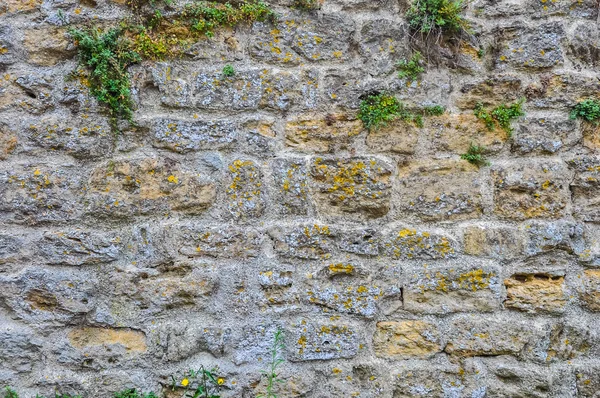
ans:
(185, 382)
(220, 381)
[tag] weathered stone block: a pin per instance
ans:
(588, 381)
(312, 341)
(443, 290)
(412, 244)
(560, 235)
(383, 43)
(20, 350)
(363, 241)
(589, 290)
(219, 242)
(291, 182)
(585, 188)
(397, 136)
(30, 194)
(10, 248)
(278, 287)
(78, 247)
(425, 380)
(321, 132)
(456, 133)
(546, 136)
(496, 242)
(490, 92)
(126, 188)
(49, 298)
(245, 192)
(584, 45)
(440, 190)
(175, 342)
(89, 337)
(297, 38)
(535, 48)
(309, 242)
(406, 340)
(354, 297)
(570, 340)
(47, 46)
(480, 336)
(360, 186)
(531, 189)
(536, 293)
(83, 141)
(8, 141)
(185, 136)
(510, 378)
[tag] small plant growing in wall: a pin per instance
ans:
(475, 155)
(376, 110)
(228, 71)
(411, 69)
(437, 16)
(501, 116)
(201, 383)
(133, 393)
(275, 361)
(307, 5)
(588, 110)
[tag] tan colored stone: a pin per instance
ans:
(321, 133)
(440, 190)
(398, 137)
(8, 143)
(406, 339)
(590, 289)
(496, 242)
(535, 292)
(47, 46)
(13, 6)
(490, 92)
(140, 186)
(455, 133)
(591, 136)
(531, 189)
(87, 337)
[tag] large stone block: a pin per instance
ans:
(396, 136)
(383, 43)
(437, 290)
(245, 190)
(531, 48)
(36, 194)
(589, 290)
(502, 243)
(77, 247)
(198, 241)
(185, 136)
(309, 242)
(310, 341)
(546, 135)
(47, 46)
(531, 189)
(585, 187)
(291, 182)
(126, 188)
(360, 187)
(353, 297)
(182, 340)
(20, 350)
(536, 293)
(406, 340)
(321, 132)
(410, 243)
(440, 190)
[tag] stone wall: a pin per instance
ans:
(239, 205)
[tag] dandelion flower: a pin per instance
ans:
(220, 381)
(185, 382)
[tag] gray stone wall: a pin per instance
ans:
(239, 205)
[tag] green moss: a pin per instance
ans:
(434, 110)
(443, 16)
(228, 71)
(410, 69)
(501, 116)
(475, 155)
(588, 110)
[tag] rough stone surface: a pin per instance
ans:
(236, 205)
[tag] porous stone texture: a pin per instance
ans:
(238, 205)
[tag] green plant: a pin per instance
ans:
(10, 393)
(410, 69)
(133, 393)
(434, 110)
(307, 4)
(379, 109)
(106, 56)
(588, 110)
(502, 115)
(228, 71)
(201, 383)
(437, 16)
(274, 363)
(475, 155)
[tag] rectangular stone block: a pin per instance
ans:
(310, 242)
(536, 293)
(585, 187)
(310, 341)
(490, 241)
(184, 136)
(440, 190)
(531, 189)
(321, 133)
(291, 184)
(201, 241)
(407, 243)
(406, 340)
